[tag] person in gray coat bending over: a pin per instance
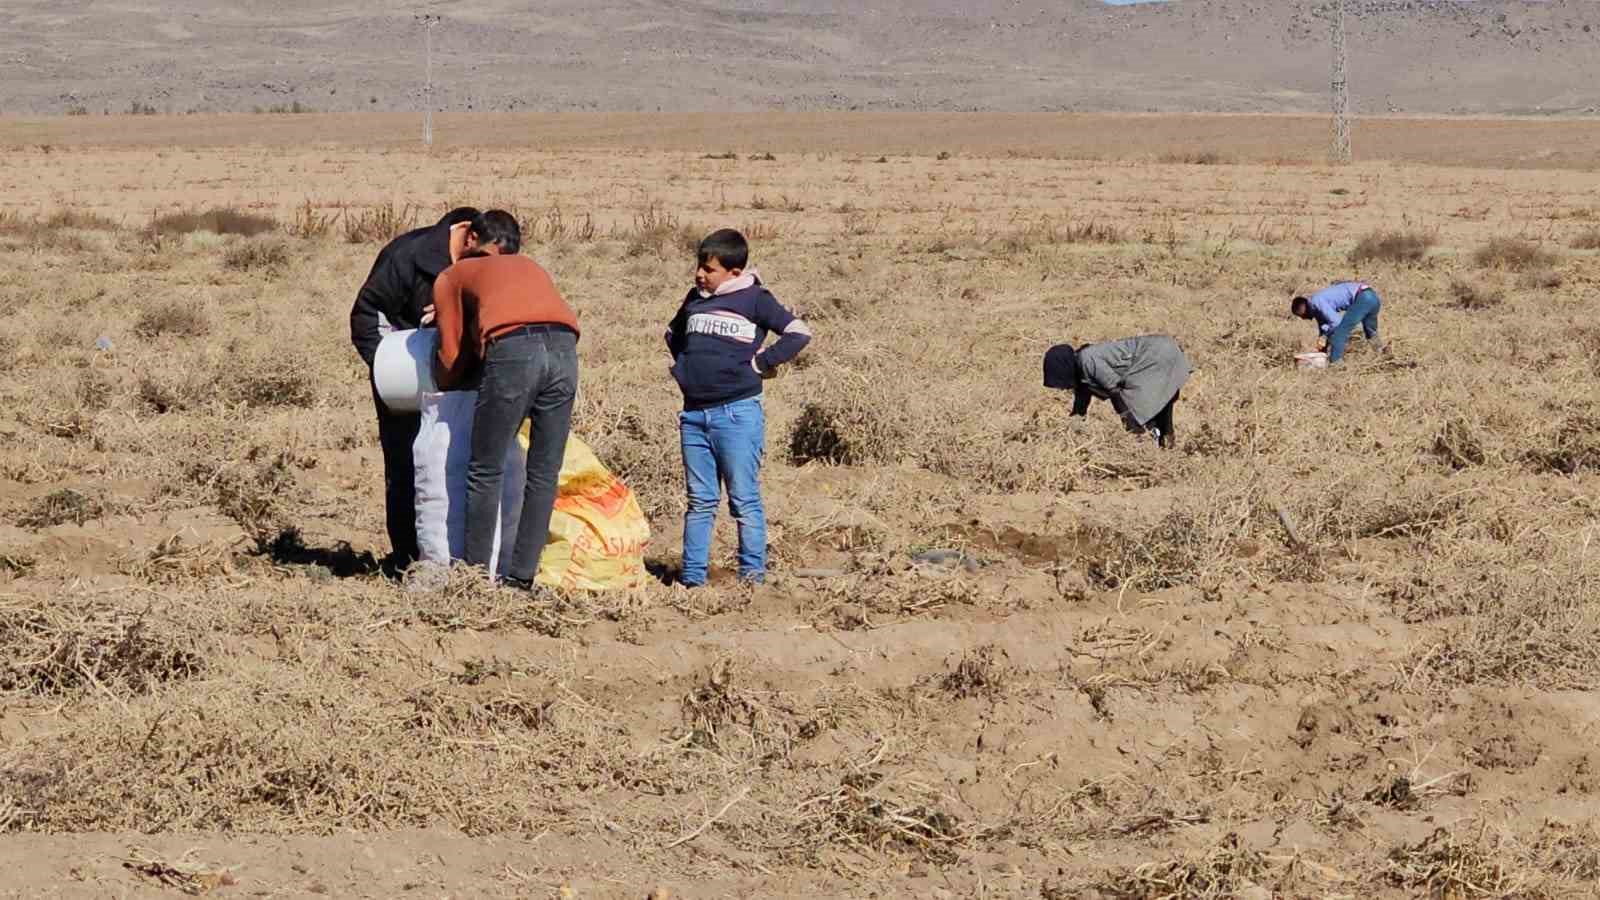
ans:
(1141, 376)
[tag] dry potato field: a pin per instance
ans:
(1342, 642)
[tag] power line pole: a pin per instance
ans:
(428, 23)
(1341, 89)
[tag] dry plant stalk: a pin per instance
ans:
(175, 560)
(182, 874)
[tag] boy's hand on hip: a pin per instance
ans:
(427, 315)
(767, 374)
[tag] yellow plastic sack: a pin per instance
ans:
(598, 532)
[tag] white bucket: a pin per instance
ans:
(1314, 360)
(403, 368)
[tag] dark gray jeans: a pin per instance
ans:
(532, 376)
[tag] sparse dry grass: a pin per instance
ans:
(195, 635)
(1195, 158)
(1515, 254)
(50, 226)
(79, 219)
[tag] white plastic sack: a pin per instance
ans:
(403, 369)
(440, 456)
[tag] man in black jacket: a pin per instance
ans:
(397, 295)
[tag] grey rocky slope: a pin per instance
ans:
(1413, 56)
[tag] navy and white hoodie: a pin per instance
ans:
(716, 341)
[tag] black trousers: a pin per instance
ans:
(526, 375)
(397, 431)
(1162, 424)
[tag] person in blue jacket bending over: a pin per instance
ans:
(1337, 310)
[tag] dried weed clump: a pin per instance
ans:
(1573, 448)
(176, 561)
(1542, 279)
(1406, 247)
(1047, 232)
(1190, 545)
(1225, 871)
(629, 435)
(978, 674)
(310, 222)
(253, 493)
(873, 815)
(721, 717)
(1472, 295)
(182, 874)
(272, 380)
(165, 394)
(405, 757)
(378, 224)
(15, 223)
(1514, 254)
(218, 220)
(1587, 240)
(78, 220)
(1460, 443)
(61, 646)
(15, 563)
(265, 770)
(1492, 864)
(853, 425)
(445, 714)
(465, 599)
(175, 317)
(656, 230)
(553, 227)
(261, 254)
(1521, 623)
(866, 603)
(63, 507)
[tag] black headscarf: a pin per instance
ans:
(1061, 367)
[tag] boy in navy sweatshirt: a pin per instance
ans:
(717, 360)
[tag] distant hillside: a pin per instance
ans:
(1413, 56)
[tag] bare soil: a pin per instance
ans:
(1172, 139)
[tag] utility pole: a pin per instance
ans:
(1341, 89)
(428, 23)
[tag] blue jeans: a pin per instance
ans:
(1363, 311)
(723, 446)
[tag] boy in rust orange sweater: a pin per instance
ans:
(501, 309)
